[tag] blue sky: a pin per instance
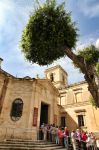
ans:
(14, 15)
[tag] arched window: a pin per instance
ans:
(16, 110)
(52, 77)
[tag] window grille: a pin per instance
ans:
(16, 110)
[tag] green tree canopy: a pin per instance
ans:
(50, 34)
(90, 55)
(49, 29)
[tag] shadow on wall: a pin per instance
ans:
(70, 122)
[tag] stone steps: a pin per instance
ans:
(26, 148)
(16, 144)
(27, 143)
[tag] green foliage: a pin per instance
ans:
(90, 54)
(97, 68)
(48, 30)
(92, 101)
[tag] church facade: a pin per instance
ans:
(26, 103)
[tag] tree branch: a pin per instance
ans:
(89, 72)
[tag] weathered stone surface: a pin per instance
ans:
(63, 100)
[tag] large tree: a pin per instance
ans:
(50, 34)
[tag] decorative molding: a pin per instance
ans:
(80, 110)
(78, 104)
(55, 67)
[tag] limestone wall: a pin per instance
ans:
(32, 93)
(90, 118)
(17, 88)
(60, 76)
(75, 101)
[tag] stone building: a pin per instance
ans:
(26, 103)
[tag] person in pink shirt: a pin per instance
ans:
(60, 135)
(66, 135)
(84, 136)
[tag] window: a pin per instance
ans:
(52, 77)
(80, 120)
(78, 97)
(16, 110)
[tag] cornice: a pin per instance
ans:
(55, 67)
(80, 104)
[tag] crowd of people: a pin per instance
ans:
(62, 136)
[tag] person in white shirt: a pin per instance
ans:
(45, 132)
(97, 143)
(73, 139)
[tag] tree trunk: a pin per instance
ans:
(88, 71)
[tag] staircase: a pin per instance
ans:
(16, 144)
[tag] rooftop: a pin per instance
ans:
(55, 67)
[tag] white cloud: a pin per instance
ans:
(88, 39)
(5, 6)
(89, 8)
(97, 43)
(13, 18)
(85, 43)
